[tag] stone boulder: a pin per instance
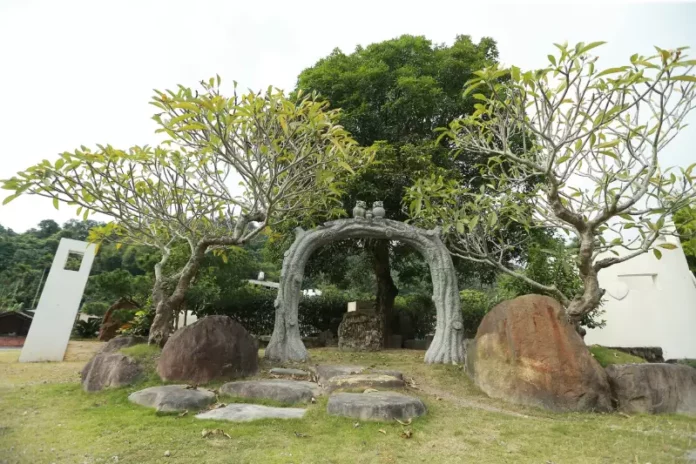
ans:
(653, 388)
(214, 347)
(526, 352)
(170, 398)
(108, 368)
(360, 331)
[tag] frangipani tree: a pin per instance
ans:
(571, 147)
(231, 167)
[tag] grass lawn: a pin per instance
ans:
(45, 417)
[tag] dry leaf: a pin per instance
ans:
(206, 433)
(314, 400)
(438, 398)
(192, 387)
(370, 390)
(183, 413)
(356, 425)
(408, 422)
(382, 431)
(301, 435)
(406, 434)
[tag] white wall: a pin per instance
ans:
(650, 302)
(55, 315)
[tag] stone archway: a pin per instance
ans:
(447, 345)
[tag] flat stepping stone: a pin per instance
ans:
(325, 372)
(170, 398)
(396, 374)
(293, 373)
(284, 391)
(250, 412)
(377, 406)
(363, 381)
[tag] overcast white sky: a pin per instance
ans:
(81, 72)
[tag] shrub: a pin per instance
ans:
(87, 329)
(475, 305)
(414, 315)
(94, 308)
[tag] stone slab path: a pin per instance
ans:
(291, 373)
(170, 398)
(251, 412)
(363, 381)
(284, 391)
(378, 406)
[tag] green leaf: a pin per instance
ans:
(657, 253)
(10, 198)
(346, 166)
(55, 202)
(563, 159)
(685, 78)
(611, 71)
(668, 246)
(552, 59)
(590, 46)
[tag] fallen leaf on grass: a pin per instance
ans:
(208, 433)
(406, 434)
(382, 431)
(408, 422)
(356, 425)
(183, 413)
(314, 400)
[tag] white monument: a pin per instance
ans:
(60, 299)
(650, 302)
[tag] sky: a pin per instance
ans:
(82, 72)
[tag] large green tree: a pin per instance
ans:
(395, 94)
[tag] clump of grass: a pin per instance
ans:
(147, 356)
(606, 356)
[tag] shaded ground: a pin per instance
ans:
(45, 417)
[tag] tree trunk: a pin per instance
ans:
(166, 305)
(592, 294)
(386, 290)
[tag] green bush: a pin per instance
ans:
(86, 329)
(94, 308)
(414, 315)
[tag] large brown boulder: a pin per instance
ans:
(653, 388)
(214, 347)
(108, 368)
(526, 352)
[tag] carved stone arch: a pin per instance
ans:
(448, 342)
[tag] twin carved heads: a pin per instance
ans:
(361, 211)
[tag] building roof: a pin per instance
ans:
(20, 314)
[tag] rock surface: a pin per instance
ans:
(214, 347)
(526, 352)
(324, 372)
(292, 373)
(363, 381)
(169, 398)
(108, 368)
(360, 332)
(653, 388)
(380, 406)
(250, 412)
(284, 391)
(652, 354)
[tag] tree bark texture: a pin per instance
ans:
(386, 290)
(167, 305)
(447, 346)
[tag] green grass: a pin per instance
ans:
(607, 356)
(57, 422)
